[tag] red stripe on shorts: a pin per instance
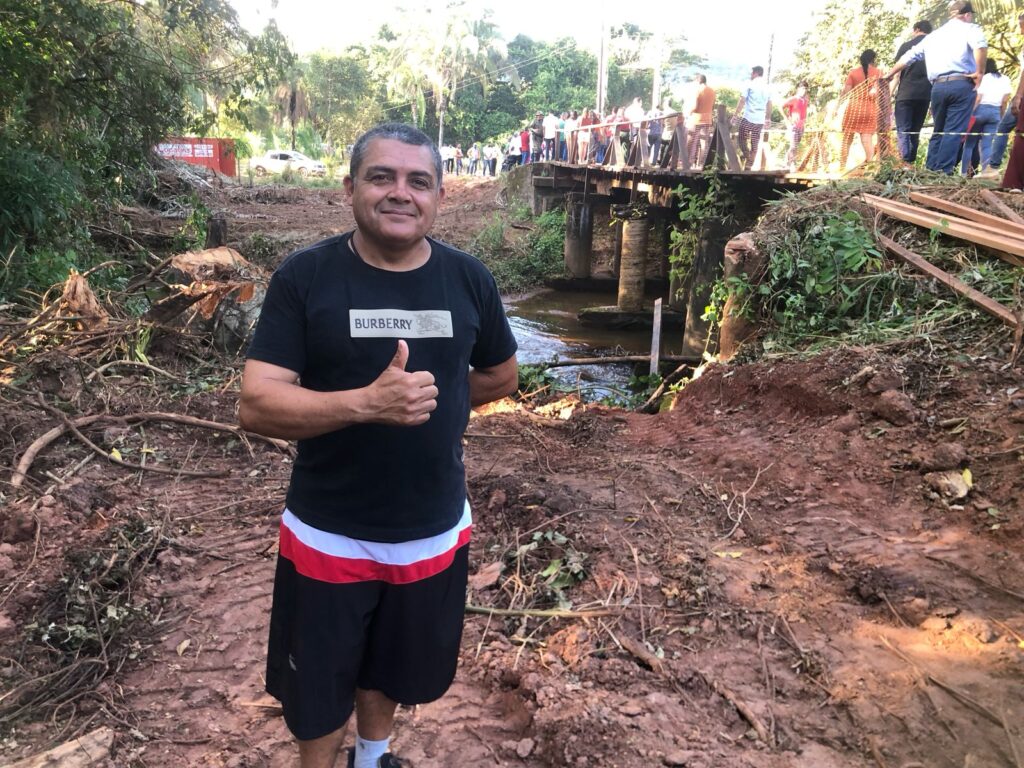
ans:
(347, 570)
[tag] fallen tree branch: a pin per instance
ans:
(976, 577)
(73, 425)
(615, 359)
(121, 462)
(742, 707)
(136, 363)
(25, 463)
(542, 613)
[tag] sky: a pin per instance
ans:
(733, 33)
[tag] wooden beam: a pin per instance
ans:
(1003, 246)
(992, 199)
(983, 302)
(966, 212)
(943, 219)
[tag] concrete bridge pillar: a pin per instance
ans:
(706, 271)
(579, 235)
(633, 267)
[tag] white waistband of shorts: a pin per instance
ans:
(396, 553)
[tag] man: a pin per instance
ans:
(370, 349)
(537, 136)
(913, 95)
(754, 111)
(1009, 119)
(655, 129)
(550, 124)
(701, 116)
(794, 111)
(955, 56)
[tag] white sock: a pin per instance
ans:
(369, 752)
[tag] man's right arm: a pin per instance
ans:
(273, 403)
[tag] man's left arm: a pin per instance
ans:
(493, 383)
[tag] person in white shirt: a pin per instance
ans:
(954, 56)
(550, 132)
(992, 97)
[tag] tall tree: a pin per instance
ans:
(442, 49)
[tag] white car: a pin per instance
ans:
(277, 160)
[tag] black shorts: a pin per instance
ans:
(327, 639)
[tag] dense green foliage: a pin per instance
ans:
(524, 263)
(89, 87)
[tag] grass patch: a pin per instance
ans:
(519, 264)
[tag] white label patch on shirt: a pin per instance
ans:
(400, 324)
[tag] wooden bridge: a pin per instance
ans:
(640, 200)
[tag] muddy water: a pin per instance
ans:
(546, 327)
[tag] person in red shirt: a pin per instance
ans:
(524, 146)
(795, 113)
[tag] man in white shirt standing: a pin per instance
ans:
(955, 55)
(754, 111)
(550, 132)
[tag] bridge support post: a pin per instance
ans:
(632, 270)
(579, 235)
(707, 269)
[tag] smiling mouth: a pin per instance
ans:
(397, 213)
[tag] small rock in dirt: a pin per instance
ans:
(883, 382)
(896, 408)
(978, 628)
(47, 501)
(17, 528)
(949, 484)
(679, 758)
(934, 624)
(631, 709)
(560, 503)
(525, 748)
(944, 456)
(487, 576)
(497, 501)
(864, 374)
(846, 424)
(7, 625)
(946, 611)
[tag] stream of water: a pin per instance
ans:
(546, 327)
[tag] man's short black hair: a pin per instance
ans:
(923, 26)
(759, 71)
(702, 79)
(407, 134)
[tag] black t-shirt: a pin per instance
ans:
(914, 84)
(336, 321)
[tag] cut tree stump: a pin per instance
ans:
(88, 751)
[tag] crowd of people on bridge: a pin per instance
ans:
(945, 72)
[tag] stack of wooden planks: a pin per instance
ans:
(1002, 234)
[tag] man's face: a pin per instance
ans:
(801, 92)
(396, 195)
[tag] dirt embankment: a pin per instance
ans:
(791, 568)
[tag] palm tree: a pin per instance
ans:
(442, 50)
(291, 101)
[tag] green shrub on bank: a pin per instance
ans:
(526, 263)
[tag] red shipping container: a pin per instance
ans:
(216, 154)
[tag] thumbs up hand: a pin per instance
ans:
(399, 397)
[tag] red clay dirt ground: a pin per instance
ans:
(774, 573)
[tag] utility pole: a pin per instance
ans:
(771, 51)
(602, 71)
(656, 88)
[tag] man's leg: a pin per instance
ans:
(1002, 138)
(940, 94)
(322, 752)
(956, 108)
(904, 111)
(919, 114)
(743, 141)
(755, 144)
(375, 715)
